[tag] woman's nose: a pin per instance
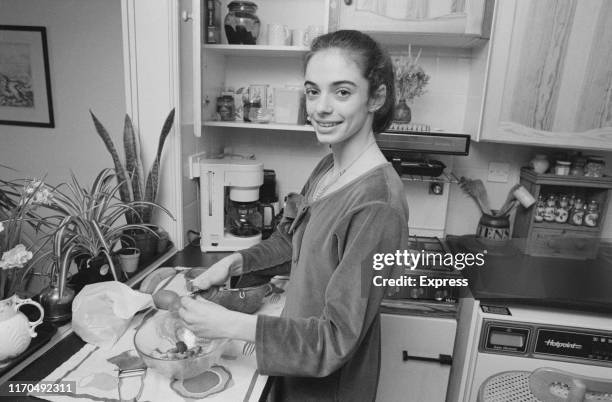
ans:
(323, 104)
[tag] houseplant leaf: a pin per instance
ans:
(133, 164)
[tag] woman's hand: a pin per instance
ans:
(210, 320)
(219, 272)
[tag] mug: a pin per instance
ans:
(278, 35)
(298, 37)
(312, 32)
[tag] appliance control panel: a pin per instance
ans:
(566, 343)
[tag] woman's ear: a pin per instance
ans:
(378, 100)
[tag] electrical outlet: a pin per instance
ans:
(498, 172)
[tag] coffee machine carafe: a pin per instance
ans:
(229, 194)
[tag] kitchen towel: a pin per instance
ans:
(96, 378)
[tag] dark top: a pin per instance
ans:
(326, 344)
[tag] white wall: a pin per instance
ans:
(86, 68)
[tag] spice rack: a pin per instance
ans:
(553, 239)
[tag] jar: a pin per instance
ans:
(540, 208)
(594, 167)
(493, 227)
(250, 110)
(539, 164)
(225, 107)
(562, 168)
(591, 217)
(577, 213)
(550, 209)
(562, 211)
(241, 23)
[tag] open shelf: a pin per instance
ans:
(443, 178)
(565, 226)
(558, 180)
(260, 126)
(257, 50)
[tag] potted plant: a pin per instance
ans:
(19, 200)
(136, 186)
(91, 228)
(410, 82)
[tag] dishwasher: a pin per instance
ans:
(418, 326)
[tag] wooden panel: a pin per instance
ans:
(596, 99)
(562, 243)
(539, 62)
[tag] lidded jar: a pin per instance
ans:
(241, 23)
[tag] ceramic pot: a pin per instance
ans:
(146, 242)
(58, 309)
(16, 331)
(402, 112)
(493, 227)
(539, 164)
(129, 257)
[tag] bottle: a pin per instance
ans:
(549, 211)
(562, 211)
(213, 22)
(540, 209)
(591, 217)
(577, 213)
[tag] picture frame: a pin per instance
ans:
(25, 84)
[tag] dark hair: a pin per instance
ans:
(375, 64)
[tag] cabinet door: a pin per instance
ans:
(409, 16)
(549, 79)
(409, 345)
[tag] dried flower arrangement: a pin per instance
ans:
(410, 78)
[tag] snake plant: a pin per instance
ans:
(135, 186)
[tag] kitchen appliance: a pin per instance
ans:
(430, 265)
(497, 338)
(268, 203)
(229, 191)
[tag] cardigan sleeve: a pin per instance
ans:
(318, 346)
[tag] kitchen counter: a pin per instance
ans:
(69, 343)
(510, 276)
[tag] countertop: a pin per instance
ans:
(68, 343)
(509, 276)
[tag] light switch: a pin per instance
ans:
(498, 172)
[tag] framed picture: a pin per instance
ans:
(25, 87)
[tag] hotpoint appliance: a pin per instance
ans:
(229, 208)
(495, 338)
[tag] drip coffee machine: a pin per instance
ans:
(229, 196)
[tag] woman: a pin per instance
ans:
(326, 344)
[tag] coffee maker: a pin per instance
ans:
(229, 203)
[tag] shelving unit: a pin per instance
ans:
(257, 50)
(553, 239)
(260, 126)
(443, 178)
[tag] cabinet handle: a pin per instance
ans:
(348, 2)
(442, 359)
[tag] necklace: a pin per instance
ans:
(326, 182)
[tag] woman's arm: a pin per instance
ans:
(318, 346)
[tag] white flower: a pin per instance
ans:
(15, 257)
(43, 196)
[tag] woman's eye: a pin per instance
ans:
(343, 92)
(311, 91)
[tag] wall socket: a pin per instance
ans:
(498, 172)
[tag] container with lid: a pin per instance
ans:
(241, 23)
(562, 168)
(594, 167)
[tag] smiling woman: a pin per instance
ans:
(326, 344)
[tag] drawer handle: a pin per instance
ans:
(442, 359)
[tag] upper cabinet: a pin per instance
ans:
(549, 80)
(461, 23)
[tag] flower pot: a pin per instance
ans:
(128, 258)
(58, 310)
(16, 331)
(146, 242)
(93, 270)
(402, 112)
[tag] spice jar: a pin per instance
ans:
(594, 167)
(250, 110)
(225, 107)
(540, 208)
(577, 213)
(562, 168)
(550, 209)
(562, 211)
(591, 217)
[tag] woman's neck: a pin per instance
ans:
(346, 152)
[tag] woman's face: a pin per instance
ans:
(336, 97)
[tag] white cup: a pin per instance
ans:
(312, 32)
(298, 37)
(278, 35)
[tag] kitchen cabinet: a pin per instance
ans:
(552, 238)
(216, 67)
(419, 22)
(548, 80)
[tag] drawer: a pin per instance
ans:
(564, 243)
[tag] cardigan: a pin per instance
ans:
(325, 346)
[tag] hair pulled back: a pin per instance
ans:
(375, 64)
